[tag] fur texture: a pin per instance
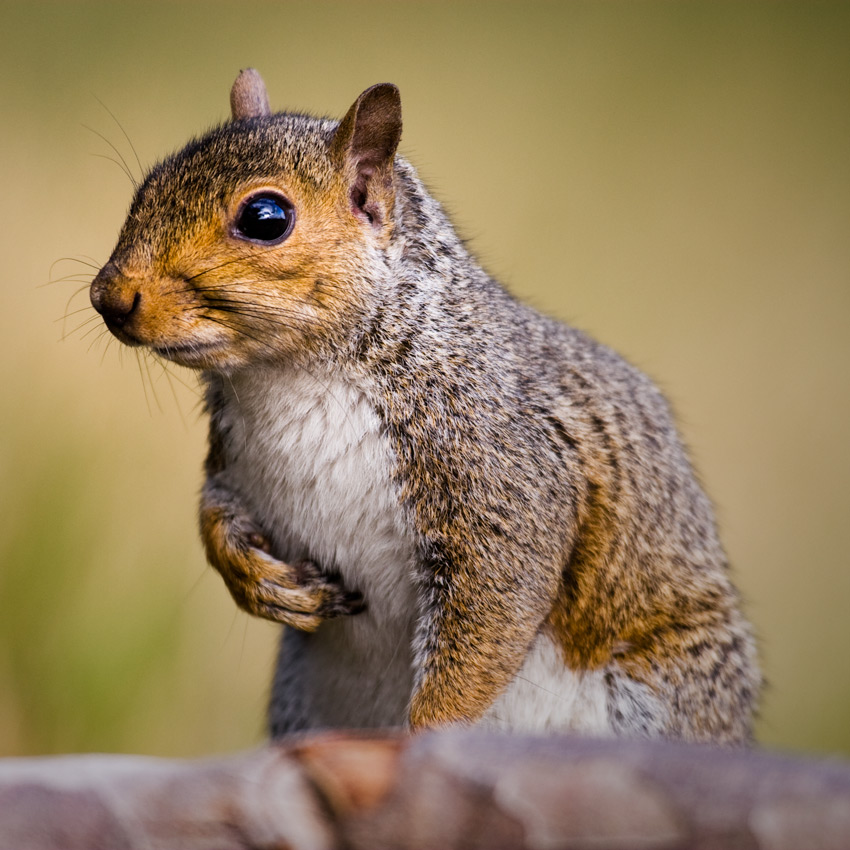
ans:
(508, 498)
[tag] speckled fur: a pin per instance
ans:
(510, 497)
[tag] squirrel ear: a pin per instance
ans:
(364, 145)
(248, 97)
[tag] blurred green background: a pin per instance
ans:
(672, 177)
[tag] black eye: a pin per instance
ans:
(265, 218)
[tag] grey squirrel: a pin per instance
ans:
(461, 510)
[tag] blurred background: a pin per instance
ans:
(672, 177)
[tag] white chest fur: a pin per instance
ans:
(306, 454)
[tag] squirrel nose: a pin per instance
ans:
(113, 296)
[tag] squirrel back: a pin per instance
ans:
(508, 499)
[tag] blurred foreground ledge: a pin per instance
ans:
(435, 791)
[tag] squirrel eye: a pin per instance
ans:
(265, 218)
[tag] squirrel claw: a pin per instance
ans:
(354, 602)
(347, 604)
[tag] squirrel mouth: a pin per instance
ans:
(187, 353)
(118, 330)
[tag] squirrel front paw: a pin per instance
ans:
(299, 594)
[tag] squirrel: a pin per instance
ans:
(461, 510)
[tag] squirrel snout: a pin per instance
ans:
(114, 297)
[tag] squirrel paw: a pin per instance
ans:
(319, 596)
(298, 595)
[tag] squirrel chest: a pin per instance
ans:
(304, 450)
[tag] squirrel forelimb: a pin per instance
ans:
(297, 595)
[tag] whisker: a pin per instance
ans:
(77, 291)
(105, 347)
(120, 165)
(285, 318)
(123, 164)
(268, 318)
(67, 315)
(164, 365)
(121, 128)
(146, 356)
(267, 301)
(144, 385)
(79, 327)
(202, 573)
(97, 339)
(242, 332)
(222, 265)
(161, 364)
(249, 284)
(230, 262)
(93, 264)
(66, 334)
(249, 289)
(260, 308)
(77, 277)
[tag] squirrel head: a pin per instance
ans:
(260, 240)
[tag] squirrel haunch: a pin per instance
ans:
(462, 510)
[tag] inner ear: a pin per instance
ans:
(360, 196)
(364, 145)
